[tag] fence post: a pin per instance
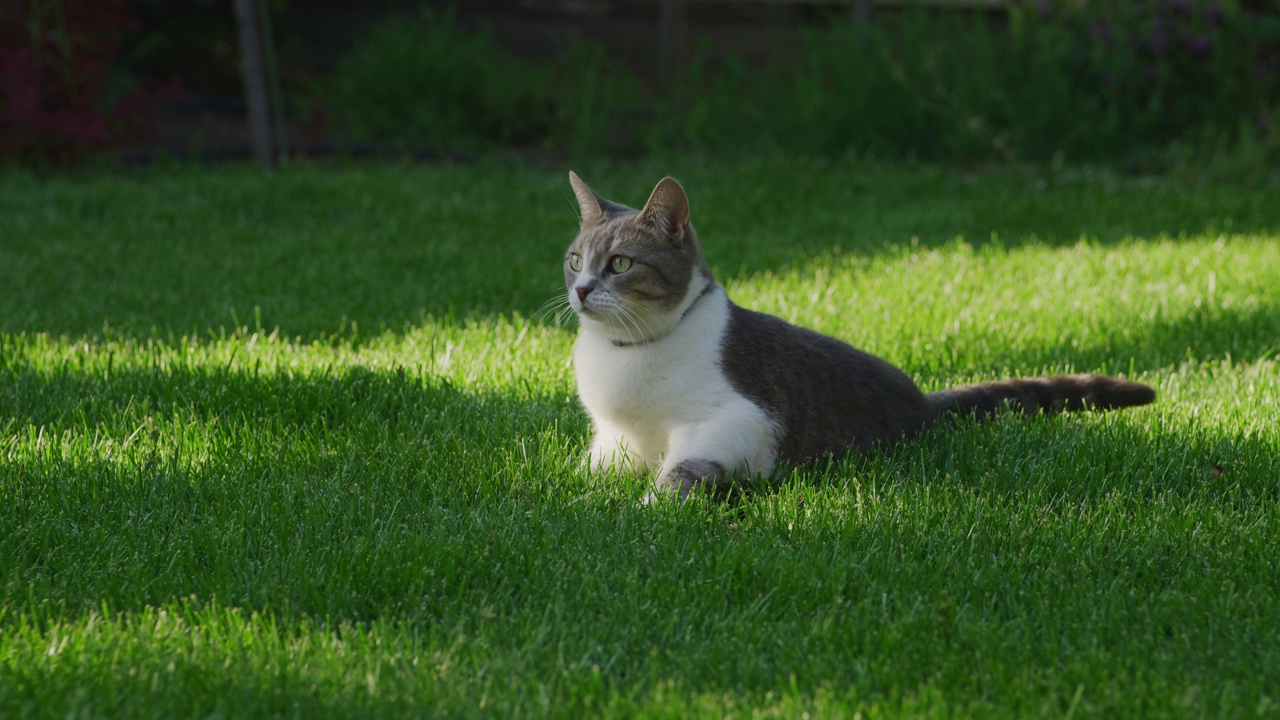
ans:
(862, 10)
(255, 84)
(673, 29)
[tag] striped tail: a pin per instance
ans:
(1047, 394)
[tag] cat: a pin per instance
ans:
(673, 374)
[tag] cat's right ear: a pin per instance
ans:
(589, 202)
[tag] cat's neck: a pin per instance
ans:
(708, 286)
(635, 335)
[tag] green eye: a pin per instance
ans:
(620, 264)
(575, 262)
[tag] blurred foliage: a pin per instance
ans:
(59, 94)
(1057, 80)
(1047, 81)
(1151, 83)
(424, 81)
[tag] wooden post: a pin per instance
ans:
(255, 84)
(673, 28)
(862, 13)
(862, 10)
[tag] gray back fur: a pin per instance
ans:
(825, 394)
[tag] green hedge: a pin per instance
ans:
(1050, 80)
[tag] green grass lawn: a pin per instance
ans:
(292, 446)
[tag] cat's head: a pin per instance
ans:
(632, 273)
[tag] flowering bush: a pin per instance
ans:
(1158, 68)
(1047, 79)
(56, 98)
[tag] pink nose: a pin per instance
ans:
(582, 292)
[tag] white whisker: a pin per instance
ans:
(545, 308)
(633, 309)
(556, 311)
(627, 320)
(630, 321)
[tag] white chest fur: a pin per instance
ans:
(669, 400)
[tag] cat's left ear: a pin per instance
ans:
(668, 210)
(591, 204)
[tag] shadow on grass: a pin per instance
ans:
(592, 593)
(780, 214)
(454, 521)
(318, 253)
(261, 490)
(280, 490)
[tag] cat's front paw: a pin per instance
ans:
(657, 495)
(597, 463)
(611, 454)
(662, 491)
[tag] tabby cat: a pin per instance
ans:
(675, 375)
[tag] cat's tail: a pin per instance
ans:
(1046, 394)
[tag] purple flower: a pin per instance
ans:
(1213, 13)
(1100, 31)
(1159, 43)
(1045, 7)
(1198, 45)
(1178, 7)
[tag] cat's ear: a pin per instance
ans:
(591, 204)
(668, 210)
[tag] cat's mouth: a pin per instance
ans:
(612, 320)
(605, 315)
(594, 308)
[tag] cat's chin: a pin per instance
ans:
(596, 320)
(603, 325)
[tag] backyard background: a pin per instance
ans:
(1168, 84)
(302, 441)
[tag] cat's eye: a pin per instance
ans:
(575, 262)
(620, 263)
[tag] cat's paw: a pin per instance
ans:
(596, 462)
(611, 454)
(663, 492)
(657, 496)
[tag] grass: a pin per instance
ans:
(289, 446)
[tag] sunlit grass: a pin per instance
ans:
(292, 446)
